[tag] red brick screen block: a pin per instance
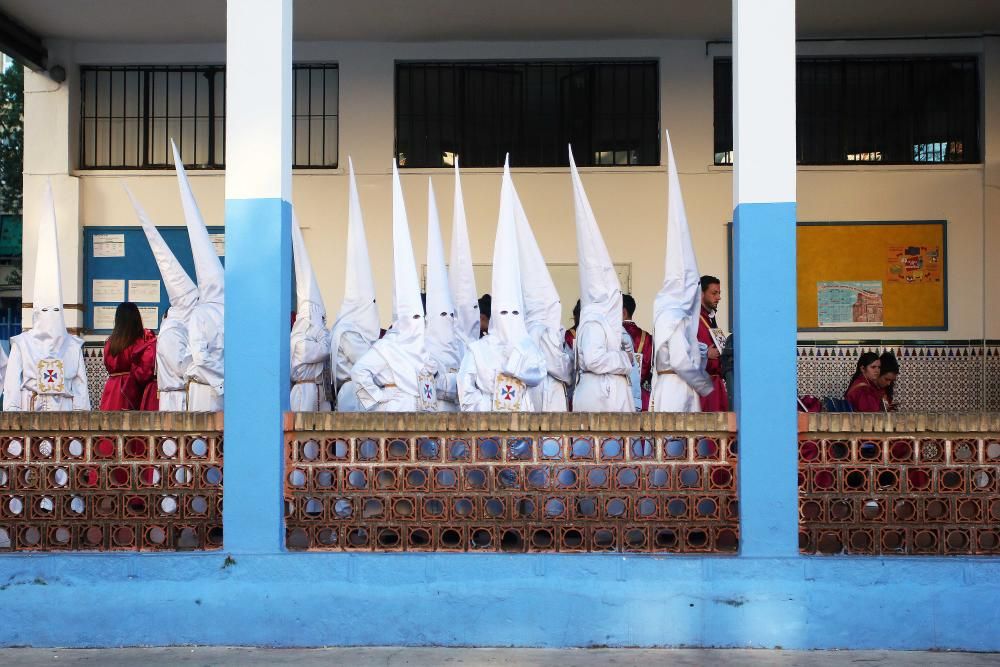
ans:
(110, 482)
(899, 484)
(511, 483)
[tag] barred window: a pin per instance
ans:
(608, 111)
(873, 110)
(130, 113)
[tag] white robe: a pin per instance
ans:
(351, 346)
(206, 372)
(3, 365)
(20, 388)
(173, 357)
(310, 354)
(603, 369)
(446, 381)
(377, 386)
(550, 395)
(484, 359)
(677, 381)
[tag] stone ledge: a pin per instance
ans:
(902, 423)
(110, 422)
(486, 422)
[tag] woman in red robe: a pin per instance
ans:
(130, 357)
(863, 392)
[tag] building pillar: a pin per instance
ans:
(258, 269)
(764, 294)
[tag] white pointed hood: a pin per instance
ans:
(309, 301)
(460, 273)
(680, 295)
(207, 267)
(507, 323)
(181, 290)
(48, 325)
(358, 310)
(600, 291)
(541, 299)
(443, 344)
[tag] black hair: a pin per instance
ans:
(866, 359)
(628, 303)
(708, 281)
(128, 328)
(576, 314)
(889, 365)
(485, 305)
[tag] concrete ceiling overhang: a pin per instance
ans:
(192, 21)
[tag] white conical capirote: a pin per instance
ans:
(307, 294)
(207, 267)
(47, 320)
(460, 273)
(680, 295)
(507, 316)
(541, 299)
(181, 290)
(600, 290)
(406, 285)
(441, 339)
(358, 310)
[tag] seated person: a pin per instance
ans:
(862, 393)
(888, 372)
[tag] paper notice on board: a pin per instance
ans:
(108, 291)
(144, 291)
(219, 243)
(109, 245)
(150, 316)
(104, 317)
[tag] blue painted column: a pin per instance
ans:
(258, 269)
(764, 293)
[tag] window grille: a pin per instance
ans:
(607, 110)
(130, 113)
(873, 110)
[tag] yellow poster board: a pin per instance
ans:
(860, 276)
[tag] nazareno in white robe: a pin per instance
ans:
(21, 389)
(206, 372)
(677, 381)
(351, 345)
(486, 357)
(310, 354)
(603, 368)
(550, 395)
(173, 356)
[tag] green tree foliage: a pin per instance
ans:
(11, 138)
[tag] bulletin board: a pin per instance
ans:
(864, 276)
(119, 266)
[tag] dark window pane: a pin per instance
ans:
(480, 111)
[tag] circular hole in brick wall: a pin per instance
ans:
(957, 540)
(313, 508)
(433, 508)
(310, 450)
(199, 448)
(135, 447)
(935, 509)
(475, 479)
(988, 540)
(416, 477)
(840, 510)
(829, 543)
(519, 448)
(458, 450)
(811, 510)
(45, 506)
(645, 507)
(566, 477)
(213, 475)
(968, 509)
(463, 507)
(658, 477)
(31, 537)
(451, 538)
(839, 451)
(343, 509)
(665, 538)
(105, 506)
(493, 507)
(706, 507)
(15, 506)
(337, 449)
(489, 449)
(611, 448)
(149, 475)
(582, 448)
(372, 508)
(855, 479)
(297, 538)
(44, 449)
(75, 448)
(550, 448)
(296, 477)
(168, 504)
(677, 507)
(706, 448)
(823, 479)
(925, 540)
(326, 479)
(538, 478)
(327, 537)
(861, 540)
(28, 477)
(951, 480)
(168, 448)
(367, 449)
(104, 447)
(93, 536)
(635, 538)
(4, 477)
(572, 538)
(355, 479)
(480, 539)
(403, 508)
(993, 450)
(123, 536)
(61, 535)
(428, 448)
(697, 538)
(689, 477)
(963, 451)
(156, 535)
(586, 507)
(419, 538)
(14, 448)
(135, 505)
(554, 507)
(507, 478)
(77, 505)
(918, 479)
(616, 507)
(643, 448)
(904, 510)
(981, 479)
(675, 448)
(892, 540)
(871, 509)
(183, 476)
(388, 538)
(525, 507)
(869, 451)
(901, 450)
(597, 476)
(721, 476)
(541, 538)
(398, 449)
(627, 477)
(604, 538)
(357, 537)
(445, 477)
(887, 479)
(726, 540)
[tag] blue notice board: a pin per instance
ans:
(119, 266)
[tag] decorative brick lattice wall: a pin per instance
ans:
(514, 483)
(899, 484)
(110, 481)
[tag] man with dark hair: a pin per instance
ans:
(642, 343)
(710, 334)
(485, 303)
